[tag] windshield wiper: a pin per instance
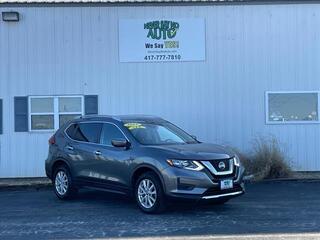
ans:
(191, 142)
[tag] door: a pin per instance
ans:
(114, 161)
(82, 149)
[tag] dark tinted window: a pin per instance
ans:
(85, 132)
(71, 130)
(110, 132)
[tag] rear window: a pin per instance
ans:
(85, 132)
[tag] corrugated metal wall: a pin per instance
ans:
(250, 49)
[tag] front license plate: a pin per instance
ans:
(226, 184)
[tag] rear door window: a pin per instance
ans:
(85, 132)
(110, 132)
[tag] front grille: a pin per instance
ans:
(224, 162)
(216, 178)
(220, 168)
(211, 168)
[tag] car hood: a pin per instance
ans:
(199, 151)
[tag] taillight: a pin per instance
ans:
(52, 140)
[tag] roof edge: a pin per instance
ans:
(17, 3)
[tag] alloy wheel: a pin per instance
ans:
(147, 193)
(61, 183)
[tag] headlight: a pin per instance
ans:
(185, 164)
(236, 160)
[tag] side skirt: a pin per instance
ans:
(102, 185)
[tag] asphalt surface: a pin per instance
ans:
(285, 210)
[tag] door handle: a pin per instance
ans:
(98, 153)
(70, 148)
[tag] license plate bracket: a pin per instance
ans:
(226, 184)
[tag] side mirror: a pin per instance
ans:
(120, 143)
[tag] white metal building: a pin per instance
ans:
(225, 71)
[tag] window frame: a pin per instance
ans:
(102, 122)
(56, 113)
(289, 122)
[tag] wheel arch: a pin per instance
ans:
(146, 168)
(57, 163)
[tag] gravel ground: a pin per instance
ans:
(273, 210)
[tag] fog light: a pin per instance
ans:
(10, 16)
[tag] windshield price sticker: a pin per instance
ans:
(132, 126)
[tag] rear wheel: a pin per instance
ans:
(149, 193)
(63, 186)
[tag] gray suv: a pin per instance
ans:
(144, 156)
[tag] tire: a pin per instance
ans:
(150, 202)
(62, 183)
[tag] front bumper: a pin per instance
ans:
(224, 195)
(202, 185)
(48, 169)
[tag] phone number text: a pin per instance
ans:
(162, 57)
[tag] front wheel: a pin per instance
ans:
(149, 193)
(63, 186)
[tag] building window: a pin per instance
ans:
(51, 112)
(292, 107)
(69, 108)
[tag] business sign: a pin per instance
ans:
(161, 40)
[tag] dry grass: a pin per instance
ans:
(267, 160)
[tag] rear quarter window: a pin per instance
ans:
(85, 132)
(70, 130)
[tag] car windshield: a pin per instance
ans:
(163, 133)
